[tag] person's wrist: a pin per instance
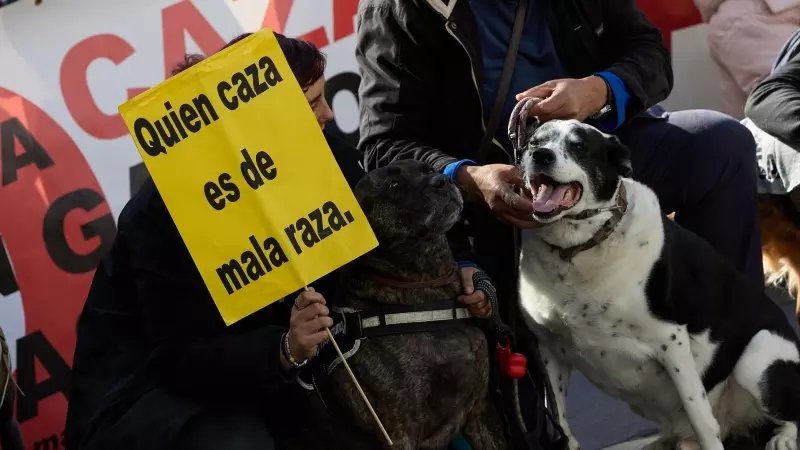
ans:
(464, 178)
(288, 352)
(598, 94)
(286, 366)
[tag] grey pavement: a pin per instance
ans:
(600, 421)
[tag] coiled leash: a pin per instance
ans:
(518, 126)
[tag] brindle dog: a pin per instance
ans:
(425, 387)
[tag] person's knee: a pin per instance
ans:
(231, 431)
(722, 140)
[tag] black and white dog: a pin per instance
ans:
(645, 309)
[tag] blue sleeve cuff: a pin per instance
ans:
(465, 264)
(621, 99)
(451, 169)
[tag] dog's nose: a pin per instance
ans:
(543, 157)
(438, 181)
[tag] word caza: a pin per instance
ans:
(156, 136)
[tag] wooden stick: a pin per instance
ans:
(358, 386)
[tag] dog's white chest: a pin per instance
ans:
(603, 342)
(599, 321)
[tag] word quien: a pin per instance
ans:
(265, 256)
(189, 118)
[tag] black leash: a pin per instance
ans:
(505, 81)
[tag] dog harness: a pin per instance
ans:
(351, 326)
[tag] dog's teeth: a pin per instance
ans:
(568, 195)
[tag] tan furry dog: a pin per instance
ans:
(780, 244)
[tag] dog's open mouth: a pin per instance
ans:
(551, 197)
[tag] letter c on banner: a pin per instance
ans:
(75, 86)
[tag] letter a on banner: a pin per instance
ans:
(247, 176)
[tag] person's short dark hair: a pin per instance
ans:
(189, 60)
(306, 61)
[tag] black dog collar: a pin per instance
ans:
(601, 234)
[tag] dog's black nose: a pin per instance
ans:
(438, 181)
(543, 157)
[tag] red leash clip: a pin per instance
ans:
(513, 365)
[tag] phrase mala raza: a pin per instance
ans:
(306, 232)
(155, 137)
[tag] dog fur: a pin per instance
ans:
(651, 315)
(425, 387)
(780, 246)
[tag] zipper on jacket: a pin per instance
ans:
(477, 88)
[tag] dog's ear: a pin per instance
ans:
(531, 126)
(619, 156)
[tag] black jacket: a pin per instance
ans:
(421, 71)
(774, 104)
(152, 348)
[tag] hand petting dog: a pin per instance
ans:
(494, 184)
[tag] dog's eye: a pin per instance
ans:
(579, 146)
(394, 184)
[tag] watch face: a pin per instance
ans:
(603, 112)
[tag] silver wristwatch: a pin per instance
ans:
(604, 111)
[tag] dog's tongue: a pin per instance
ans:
(549, 198)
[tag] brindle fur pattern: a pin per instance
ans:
(425, 387)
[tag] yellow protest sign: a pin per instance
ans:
(247, 176)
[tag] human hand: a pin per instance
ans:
(307, 326)
(494, 184)
(568, 98)
(476, 300)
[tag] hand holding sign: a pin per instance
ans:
(307, 324)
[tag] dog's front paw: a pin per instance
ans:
(689, 444)
(572, 442)
(784, 439)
